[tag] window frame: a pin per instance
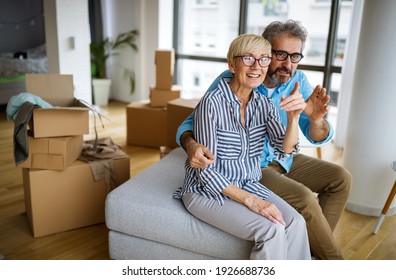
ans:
(327, 69)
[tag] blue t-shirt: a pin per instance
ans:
(280, 90)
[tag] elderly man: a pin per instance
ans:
(315, 188)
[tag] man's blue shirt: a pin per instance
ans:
(280, 90)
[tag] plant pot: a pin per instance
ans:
(101, 91)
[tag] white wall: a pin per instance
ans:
(123, 15)
(67, 21)
(165, 24)
(370, 139)
(348, 71)
(68, 38)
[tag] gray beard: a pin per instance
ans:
(276, 81)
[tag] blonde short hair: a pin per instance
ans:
(246, 43)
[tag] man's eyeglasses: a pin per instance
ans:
(249, 60)
(283, 55)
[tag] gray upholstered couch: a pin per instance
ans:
(146, 222)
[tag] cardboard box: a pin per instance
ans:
(58, 201)
(146, 125)
(161, 97)
(177, 111)
(164, 69)
(70, 118)
(55, 153)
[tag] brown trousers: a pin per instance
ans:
(319, 191)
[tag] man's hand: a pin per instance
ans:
(317, 107)
(316, 110)
(199, 156)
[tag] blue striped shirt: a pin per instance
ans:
(237, 147)
(281, 89)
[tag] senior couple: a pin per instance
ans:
(243, 173)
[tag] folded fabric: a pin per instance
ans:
(100, 153)
(19, 109)
(16, 102)
(105, 149)
(21, 144)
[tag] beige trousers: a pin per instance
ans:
(272, 241)
(309, 176)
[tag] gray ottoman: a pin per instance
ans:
(147, 223)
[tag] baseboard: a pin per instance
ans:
(368, 211)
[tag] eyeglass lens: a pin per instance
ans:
(250, 60)
(282, 55)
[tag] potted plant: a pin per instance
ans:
(100, 52)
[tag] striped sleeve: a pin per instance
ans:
(276, 130)
(206, 115)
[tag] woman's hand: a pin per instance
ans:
(255, 204)
(294, 104)
(265, 209)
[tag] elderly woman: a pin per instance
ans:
(232, 121)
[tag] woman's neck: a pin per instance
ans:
(243, 94)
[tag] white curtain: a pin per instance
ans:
(348, 71)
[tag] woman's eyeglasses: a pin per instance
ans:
(249, 60)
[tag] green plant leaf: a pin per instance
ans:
(100, 52)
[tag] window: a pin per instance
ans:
(274, 8)
(205, 29)
(216, 26)
(197, 75)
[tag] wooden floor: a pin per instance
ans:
(16, 241)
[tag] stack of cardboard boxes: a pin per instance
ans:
(178, 110)
(153, 123)
(164, 89)
(60, 191)
(146, 120)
